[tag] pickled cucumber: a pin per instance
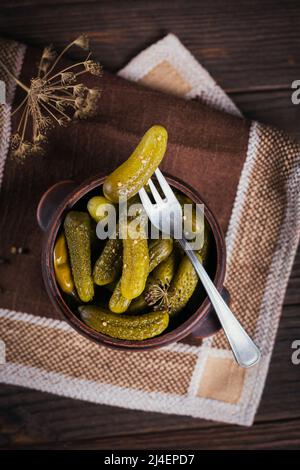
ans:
(134, 173)
(159, 250)
(126, 327)
(164, 272)
(135, 266)
(97, 207)
(118, 303)
(62, 266)
(134, 207)
(78, 235)
(186, 279)
(135, 263)
(156, 285)
(109, 264)
(161, 276)
(139, 304)
(182, 287)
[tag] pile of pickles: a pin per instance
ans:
(147, 282)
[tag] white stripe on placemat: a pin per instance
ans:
(59, 384)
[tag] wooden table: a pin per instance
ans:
(252, 48)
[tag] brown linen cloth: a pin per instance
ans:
(249, 174)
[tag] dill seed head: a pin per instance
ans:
(83, 42)
(49, 53)
(79, 89)
(158, 295)
(93, 67)
(67, 78)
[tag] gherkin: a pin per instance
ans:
(62, 268)
(118, 303)
(109, 264)
(185, 280)
(77, 228)
(159, 280)
(139, 304)
(126, 327)
(159, 250)
(164, 272)
(135, 172)
(135, 263)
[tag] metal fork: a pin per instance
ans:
(166, 215)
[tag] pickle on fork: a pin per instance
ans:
(134, 173)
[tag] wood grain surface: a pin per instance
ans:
(252, 48)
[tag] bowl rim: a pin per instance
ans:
(54, 293)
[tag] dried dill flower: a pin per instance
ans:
(49, 53)
(93, 67)
(53, 97)
(158, 296)
(83, 42)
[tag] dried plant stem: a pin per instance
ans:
(50, 112)
(81, 73)
(22, 119)
(58, 110)
(25, 88)
(25, 124)
(67, 69)
(50, 88)
(20, 105)
(58, 59)
(60, 98)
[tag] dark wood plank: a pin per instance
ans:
(264, 435)
(271, 107)
(250, 45)
(293, 291)
(274, 435)
(281, 435)
(281, 395)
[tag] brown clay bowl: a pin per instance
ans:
(198, 319)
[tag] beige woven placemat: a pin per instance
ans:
(261, 240)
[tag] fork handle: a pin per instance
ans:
(245, 351)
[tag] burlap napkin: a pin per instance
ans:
(249, 174)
